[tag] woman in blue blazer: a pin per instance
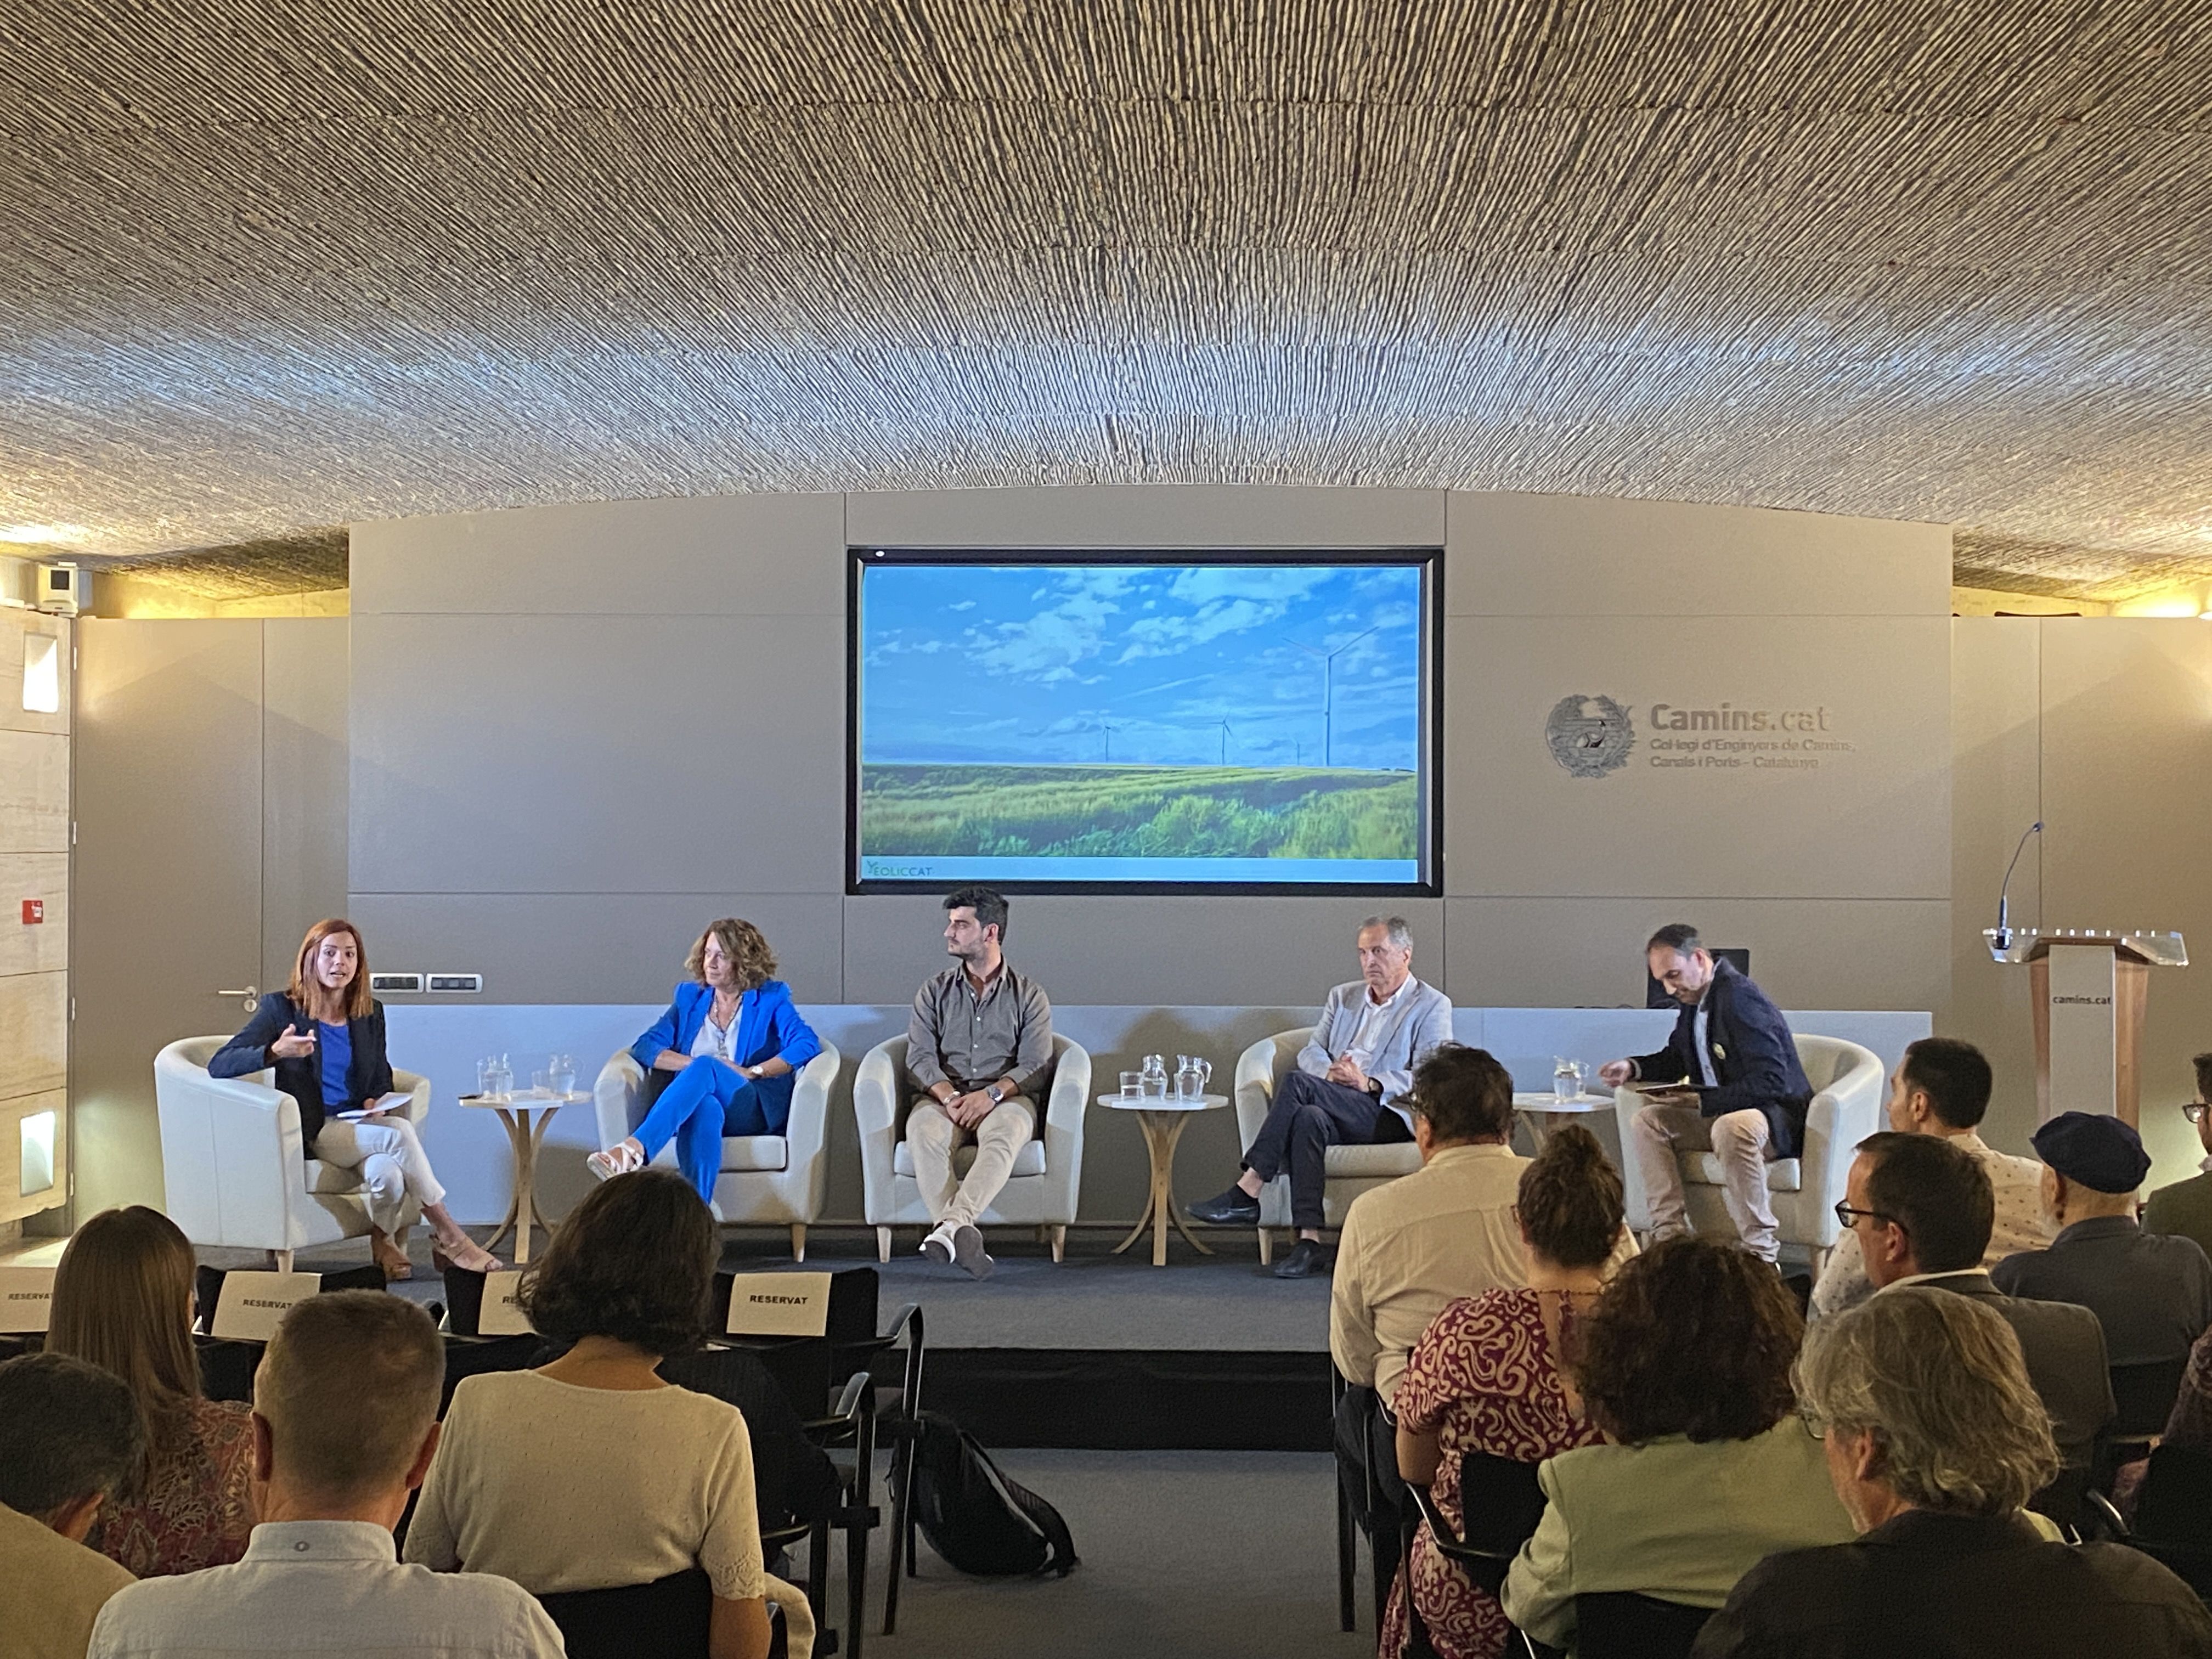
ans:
(324, 1037)
(735, 1042)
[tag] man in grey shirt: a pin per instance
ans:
(979, 1047)
(345, 1411)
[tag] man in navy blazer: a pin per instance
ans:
(1351, 1087)
(1743, 1098)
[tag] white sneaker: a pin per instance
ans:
(938, 1247)
(968, 1251)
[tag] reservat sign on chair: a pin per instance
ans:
(1348, 1172)
(1848, 1086)
(233, 1169)
(766, 1181)
(1047, 1173)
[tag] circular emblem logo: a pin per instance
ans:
(1589, 736)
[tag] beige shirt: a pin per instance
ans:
(2020, 1225)
(1411, 1247)
(51, 1590)
(566, 1488)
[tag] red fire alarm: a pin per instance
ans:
(34, 911)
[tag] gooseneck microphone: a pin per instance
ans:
(2004, 933)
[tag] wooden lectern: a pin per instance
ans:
(2089, 987)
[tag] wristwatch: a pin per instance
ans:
(994, 1094)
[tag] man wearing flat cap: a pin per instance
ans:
(2151, 1293)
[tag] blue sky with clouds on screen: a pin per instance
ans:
(1031, 663)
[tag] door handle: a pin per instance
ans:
(251, 995)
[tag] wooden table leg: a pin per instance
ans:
(1167, 1193)
(536, 1145)
(525, 1199)
(1144, 1220)
(506, 1223)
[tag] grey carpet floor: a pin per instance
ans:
(1218, 1555)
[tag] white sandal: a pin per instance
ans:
(620, 1158)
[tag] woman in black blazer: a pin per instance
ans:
(324, 1038)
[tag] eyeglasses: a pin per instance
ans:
(1846, 1216)
(1814, 1424)
(2195, 1110)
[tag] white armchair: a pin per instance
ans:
(233, 1168)
(1047, 1173)
(1847, 1099)
(1348, 1171)
(766, 1181)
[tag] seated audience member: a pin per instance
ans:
(979, 1048)
(1934, 1439)
(1490, 1375)
(1351, 1087)
(1942, 1088)
(1684, 1363)
(734, 1041)
(345, 1419)
(123, 1299)
(2151, 1291)
(324, 1038)
(70, 1436)
(1743, 1094)
(1920, 1208)
(595, 1472)
(2185, 1208)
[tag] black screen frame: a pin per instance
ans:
(1429, 560)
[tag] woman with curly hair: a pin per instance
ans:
(1489, 1375)
(123, 1300)
(596, 1472)
(1684, 1363)
(734, 1041)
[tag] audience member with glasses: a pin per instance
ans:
(2184, 1209)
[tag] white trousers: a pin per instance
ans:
(1010, 1126)
(389, 1156)
(1655, 1133)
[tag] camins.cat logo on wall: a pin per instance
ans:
(1589, 736)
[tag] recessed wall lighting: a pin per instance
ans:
(37, 1169)
(42, 674)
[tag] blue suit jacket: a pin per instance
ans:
(1754, 1056)
(768, 1026)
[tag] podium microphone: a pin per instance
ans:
(2004, 933)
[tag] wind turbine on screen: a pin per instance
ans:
(1328, 690)
(1224, 740)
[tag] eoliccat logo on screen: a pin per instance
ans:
(1591, 737)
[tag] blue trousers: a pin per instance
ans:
(706, 1100)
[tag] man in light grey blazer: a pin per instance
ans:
(1351, 1088)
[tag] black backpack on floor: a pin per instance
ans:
(973, 1514)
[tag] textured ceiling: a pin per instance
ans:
(270, 266)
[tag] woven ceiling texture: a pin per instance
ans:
(279, 264)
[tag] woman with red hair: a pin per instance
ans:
(323, 1037)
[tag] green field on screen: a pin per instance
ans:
(1137, 811)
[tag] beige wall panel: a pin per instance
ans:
(716, 555)
(2127, 805)
(42, 947)
(33, 1034)
(1588, 952)
(1148, 516)
(599, 948)
(34, 791)
(1143, 951)
(596, 755)
(1566, 556)
(1996, 793)
(14, 627)
(1872, 822)
(14, 1203)
(304, 781)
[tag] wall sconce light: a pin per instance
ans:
(42, 674)
(38, 1165)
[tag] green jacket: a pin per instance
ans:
(2185, 1208)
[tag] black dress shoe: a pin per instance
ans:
(1305, 1261)
(1234, 1208)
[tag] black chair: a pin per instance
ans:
(904, 1336)
(1503, 1503)
(1386, 1517)
(668, 1619)
(2186, 1553)
(1627, 1625)
(2143, 1394)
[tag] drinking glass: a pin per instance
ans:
(1133, 1084)
(542, 1082)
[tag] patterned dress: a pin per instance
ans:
(1483, 1378)
(197, 1509)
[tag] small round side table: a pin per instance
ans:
(527, 1116)
(1162, 1118)
(1545, 1111)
